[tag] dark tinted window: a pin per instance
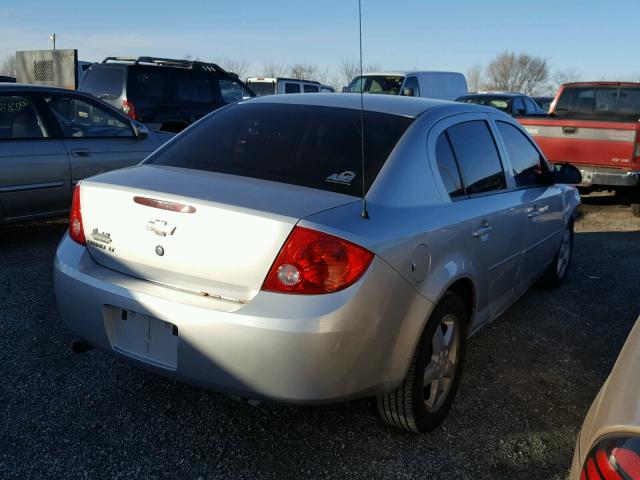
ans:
(477, 156)
(151, 82)
(18, 118)
(291, 87)
(525, 160)
(594, 101)
(318, 147)
(190, 86)
(448, 167)
(106, 83)
(502, 104)
(411, 87)
(311, 88)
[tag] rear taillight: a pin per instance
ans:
(312, 262)
(613, 459)
(129, 109)
(76, 229)
(636, 154)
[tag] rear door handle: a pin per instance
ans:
(482, 231)
(80, 152)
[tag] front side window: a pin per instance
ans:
(448, 167)
(518, 107)
(530, 106)
(291, 87)
(231, 91)
(526, 162)
(477, 156)
(80, 119)
(411, 87)
(190, 86)
(311, 88)
(312, 146)
(18, 118)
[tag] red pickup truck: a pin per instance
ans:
(596, 127)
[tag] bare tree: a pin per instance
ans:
(517, 73)
(303, 71)
(8, 66)
(474, 78)
(273, 69)
(349, 69)
(563, 76)
(239, 67)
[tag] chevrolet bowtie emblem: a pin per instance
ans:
(160, 227)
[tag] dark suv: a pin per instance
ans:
(164, 94)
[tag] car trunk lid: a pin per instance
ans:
(208, 233)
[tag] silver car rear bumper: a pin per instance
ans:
(291, 348)
(608, 177)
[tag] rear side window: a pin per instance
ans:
(448, 167)
(104, 83)
(525, 160)
(312, 146)
(150, 83)
(190, 86)
(477, 156)
(18, 118)
(291, 87)
(411, 87)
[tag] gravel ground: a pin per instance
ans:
(529, 380)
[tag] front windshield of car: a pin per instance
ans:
(383, 84)
(501, 104)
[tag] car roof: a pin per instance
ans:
(390, 104)
(30, 87)
(493, 94)
(410, 72)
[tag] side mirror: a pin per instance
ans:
(409, 92)
(140, 130)
(566, 173)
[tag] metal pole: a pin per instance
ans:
(53, 37)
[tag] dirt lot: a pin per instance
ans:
(529, 381)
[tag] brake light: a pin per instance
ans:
(129, 109)
(312, 262)
(613, 459)
(76, 229)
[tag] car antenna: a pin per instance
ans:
(364, 213)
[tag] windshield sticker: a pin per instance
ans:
(344, 178)
(13, 106)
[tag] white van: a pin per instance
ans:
(440, 85)
(273, 86)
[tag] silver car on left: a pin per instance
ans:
(50, 138)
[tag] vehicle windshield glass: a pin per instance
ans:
(385, 84)
(499, 103)
(620, 102)
(104, 83)
(262, 88)
(311, 146)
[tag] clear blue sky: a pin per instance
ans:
(597, 38)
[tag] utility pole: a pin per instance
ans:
(53, 39)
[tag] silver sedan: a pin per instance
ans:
(271, 251)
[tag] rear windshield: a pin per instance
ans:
(263, 88)
(495, 102)
(312, 146)
(618, 102)
(385, 84)
(104, 83)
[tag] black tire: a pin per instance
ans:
(406, 407)
(554, 275)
